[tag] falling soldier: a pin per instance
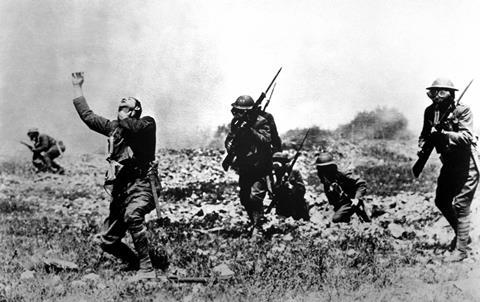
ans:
(45, 150)
(288, 189)
(343, 190)
(448, 127)
(133, 176)
(249, 141)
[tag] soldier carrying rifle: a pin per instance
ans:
(344, 191)
(448, 127)
(250, 139)
(288, 188)
(249, 150)
(45, 150)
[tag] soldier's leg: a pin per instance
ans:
(114, 230)
(444, 197)
(245, 183)
(343, 213)
(461, 205)
(257, 195)
(53, 153)
(139, 203)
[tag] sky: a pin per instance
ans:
(187, 61)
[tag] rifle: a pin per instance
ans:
(27, 145)
(227, 162)
(287, 173)
(427, 148)
(269, 99)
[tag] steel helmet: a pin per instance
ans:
(442, 83)
(244, 102)
(324, 159)
(281, 157)
(32, 130)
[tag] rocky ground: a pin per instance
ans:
(48, 223)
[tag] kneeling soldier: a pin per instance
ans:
(135, 180)
(344, 191)
(288, 189)
(45, 149)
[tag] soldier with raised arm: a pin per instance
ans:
(449, 128)
(132, 150)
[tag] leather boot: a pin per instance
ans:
(124, 253)
(257, 221)
(146, 271)
(463, 228)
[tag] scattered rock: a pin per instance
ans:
(27, 275)
(78, 284)
(55, 280)
(91, 277)
(223, 270)
(396, 230)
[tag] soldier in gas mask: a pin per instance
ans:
(454, 140)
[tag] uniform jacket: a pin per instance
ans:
(43, 143)
(252, 146)
(296, 180)
(457, 131)
(352, 186)
(276, 140)
(138, 134)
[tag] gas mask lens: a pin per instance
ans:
(277, 166)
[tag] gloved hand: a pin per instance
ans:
(438, 138)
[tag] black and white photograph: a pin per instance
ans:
(174, 150)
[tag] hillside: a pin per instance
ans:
(398, 257)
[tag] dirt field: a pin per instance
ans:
(48, 223)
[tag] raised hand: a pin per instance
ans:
(77, 79)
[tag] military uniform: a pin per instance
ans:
(276, 140)
(133, 142)
(352, 186)
(459, 174)
(45, 150)
(253, 161)
(290, 197)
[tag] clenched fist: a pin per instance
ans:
(77, 79)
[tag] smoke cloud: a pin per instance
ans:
(187, 61)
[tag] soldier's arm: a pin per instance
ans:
(42, 144)
(464, 136)
(297, 182)
(95, 122)
(230, 136)
(136, 126)
(426, 130)
(358, 184)
(262, 132)
(276, 140)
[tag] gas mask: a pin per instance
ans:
(439, 96)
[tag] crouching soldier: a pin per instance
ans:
(344, 191)
(453, 138)
(135, 178)
(249, 142)
(45, 150)
(288, 189)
